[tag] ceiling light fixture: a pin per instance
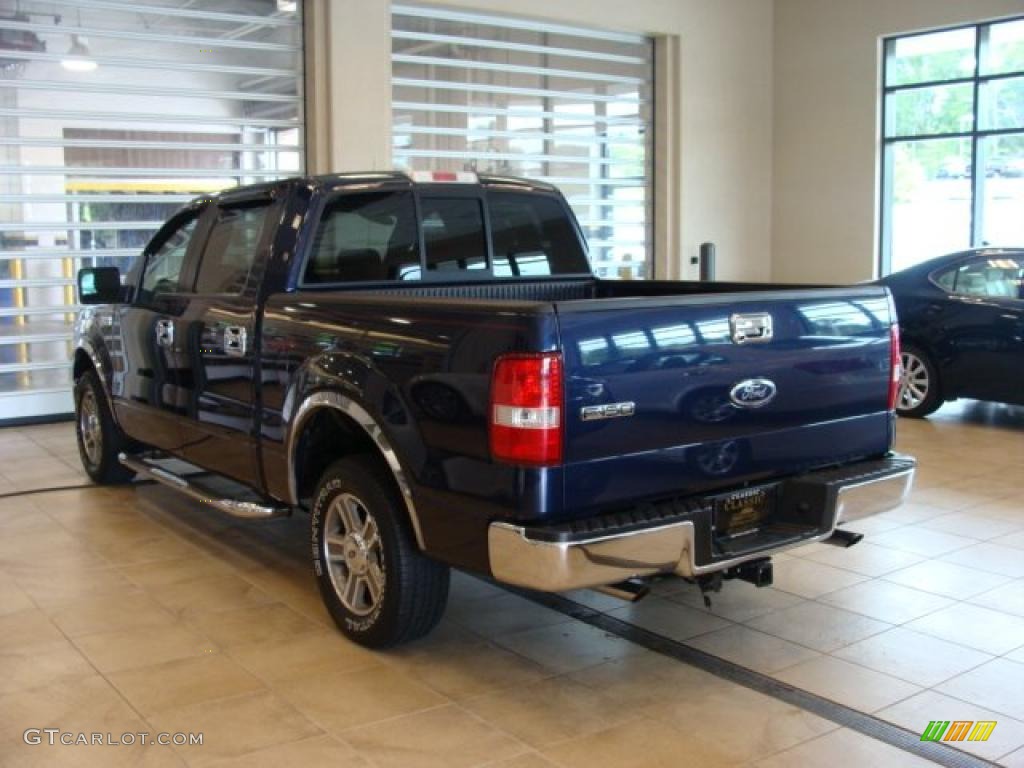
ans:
(79, 57)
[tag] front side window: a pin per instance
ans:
(162, 273)
(993, 276)
(953, 135)
(366, 237)
(532, 236)
(231, 249)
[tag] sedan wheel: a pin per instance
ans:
(914, 382)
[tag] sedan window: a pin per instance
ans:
(994, 276)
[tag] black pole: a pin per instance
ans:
(707, 262)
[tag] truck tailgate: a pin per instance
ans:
(662, 399)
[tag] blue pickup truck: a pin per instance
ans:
(427, 366)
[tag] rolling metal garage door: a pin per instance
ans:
(112, 115)
(565, 104)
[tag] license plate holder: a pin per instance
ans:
(743, 511)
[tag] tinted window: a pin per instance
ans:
(365, 237)
(994, 276)
(946, 280)
(453, 234)
(231, 249)
(162, 273)
(532, 236)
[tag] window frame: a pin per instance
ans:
(211, 217)
(977, 80)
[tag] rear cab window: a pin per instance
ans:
(397, 235)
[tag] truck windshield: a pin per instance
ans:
(373, 237)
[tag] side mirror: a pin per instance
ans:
(99, 285)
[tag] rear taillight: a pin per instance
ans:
(526, 409)
(895, 365)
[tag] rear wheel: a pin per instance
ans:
(919, 393)
(378, 587)
(99, 438)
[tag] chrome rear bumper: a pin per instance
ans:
(522, 557)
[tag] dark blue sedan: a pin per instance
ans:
(962, 325)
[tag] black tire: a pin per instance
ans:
(100, 440)
(920, 391)
(411, 589)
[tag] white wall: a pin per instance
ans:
(720, 180)
(826, 85)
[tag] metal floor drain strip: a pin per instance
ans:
(863, 723)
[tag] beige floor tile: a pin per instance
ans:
(313, 752)
(1015, 540)
(55, 585)
(638, 744)
(502, 614)
(644, 678)
(912, 656)
(12, 597)
(99, 612)
(752, 649)
(981, 628)
(915, 713)
(526, 760)
(669, 619)
(209, 594)
(566, 647)
(990, 558)
(818, 626)
(809, 579)
(235, 726)
(594, 599)
(946, 579)
(843, 749)
(870, 526)
(461, 668)
(886, 601)
(339, 701)
(973, 525)
(738, 600)
(865, 558)
(258, 624)
(83, 704)
(1009, 598)
(183, 682)
(169, 572)
(41, 664)
(142, 647)
(744, 724)
(997, 685)
(28, 628)
(465, 586)
(549, 711)
(445, 737)
(846, 683)
(278, 660)
(922, 541)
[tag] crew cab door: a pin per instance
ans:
(149, 397)
(219, 333)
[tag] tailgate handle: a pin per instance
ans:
(751, 329)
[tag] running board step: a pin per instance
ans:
(260, 509)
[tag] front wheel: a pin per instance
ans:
(376, 584)
(919, 392)
(99, 438)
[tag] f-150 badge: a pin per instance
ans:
(608, 411)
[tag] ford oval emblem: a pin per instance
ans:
(752, 393)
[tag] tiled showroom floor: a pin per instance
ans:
(133, 610)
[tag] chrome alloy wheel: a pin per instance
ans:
(90, 430)
(354, 555)
(914, 383)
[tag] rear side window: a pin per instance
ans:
(231, 249)
(453, 234)
(532, 236)
(995, 276)
(366, 237)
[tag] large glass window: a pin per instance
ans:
(112, 115)
(567, 105)
(953, 142)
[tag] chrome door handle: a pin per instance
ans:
(235, 338)
(164, 332)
